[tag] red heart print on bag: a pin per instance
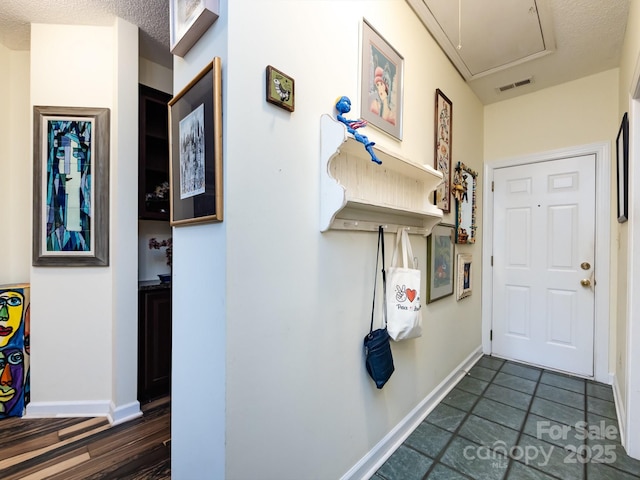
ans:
(411, 294)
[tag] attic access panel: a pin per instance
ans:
(493, 34)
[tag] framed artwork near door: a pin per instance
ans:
(465, 261)
(443, 144)
(440, 258)
(464, 187)
(70, 186)
(622, 156)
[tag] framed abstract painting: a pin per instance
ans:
(71, 186)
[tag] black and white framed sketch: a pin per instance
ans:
(191, 138)
(195, 133)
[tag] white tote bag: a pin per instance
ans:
(404, 315)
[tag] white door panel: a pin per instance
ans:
(544, 229)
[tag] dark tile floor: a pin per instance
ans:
(505, 420)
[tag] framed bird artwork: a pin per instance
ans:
(280, 89)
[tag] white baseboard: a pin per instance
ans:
(124, 413)
(379, 454)
(620, 410)
(98, 408)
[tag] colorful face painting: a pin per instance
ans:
(11, 382)
(14, 310)
(69, 186)
(11, 308)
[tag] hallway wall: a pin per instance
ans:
(15, 165)
(296, 302)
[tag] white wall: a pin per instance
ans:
(84, 320)
(293, 302)
(199, 284)
(574, 113)
(155, 76)
(5, 163)
(15, 166)
(628, 339)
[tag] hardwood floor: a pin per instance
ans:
(88, 448)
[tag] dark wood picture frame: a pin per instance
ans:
(70, 186)
(443, 145)
(280, 89)
(440, 262)
(622, 169)
(195, 139)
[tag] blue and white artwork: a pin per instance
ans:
(69, 200)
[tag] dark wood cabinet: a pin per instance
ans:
(153, 144)
(154, 343)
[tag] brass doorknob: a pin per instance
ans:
(585, 282)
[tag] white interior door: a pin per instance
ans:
(543, 257)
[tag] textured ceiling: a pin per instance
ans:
(588, 34)
(151, 16)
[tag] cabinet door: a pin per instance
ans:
(154, 356)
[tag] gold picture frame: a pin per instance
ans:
(195, 139)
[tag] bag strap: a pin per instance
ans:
(406, 243)
(403, 245)
(384, 282)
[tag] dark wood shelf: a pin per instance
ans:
(153, 152)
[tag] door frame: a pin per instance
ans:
(602, 152)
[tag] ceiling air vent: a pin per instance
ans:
(519, 83)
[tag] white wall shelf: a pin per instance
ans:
(358, 194)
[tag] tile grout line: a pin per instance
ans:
(524, 422)
(456, 431)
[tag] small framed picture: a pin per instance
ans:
(440, 248)
(465, 261)
(195, 133)
(381, 83)
(280, 89)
